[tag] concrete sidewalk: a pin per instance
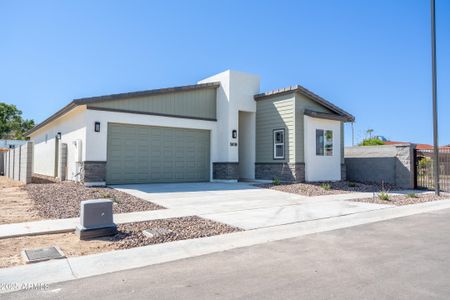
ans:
(91, 265)
(214, 209)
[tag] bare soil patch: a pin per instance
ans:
(62, 200)
(15, 205)
(325, 188)
(400, 200)
(129, 236)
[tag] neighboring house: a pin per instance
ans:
(418, 146)
(9, 144)
(221, 128)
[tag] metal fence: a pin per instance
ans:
(424, 169)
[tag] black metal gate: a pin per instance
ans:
(424, 175)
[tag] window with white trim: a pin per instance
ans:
(278, 144)
(324, 142)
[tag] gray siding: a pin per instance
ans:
(199, 103)
(275, 113)
(302, 103)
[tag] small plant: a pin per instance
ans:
(105, 195)
(384, 196)
(351, 184)
(276, 181)
(325, 186)
(412, 195)
(384, 193)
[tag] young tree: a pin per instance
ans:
(12, 125)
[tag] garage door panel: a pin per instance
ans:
(139, 154)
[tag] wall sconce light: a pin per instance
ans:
(58, 136)
(97, 127)
(234, 133)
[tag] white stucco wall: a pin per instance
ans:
(96, 142)
(235, 94)
(322, 168)
(72, 128)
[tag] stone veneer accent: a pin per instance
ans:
(93, 171)
(226, 170)
(283, 171)
(343, 172)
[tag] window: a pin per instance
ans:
(278, 144)
(324, 142)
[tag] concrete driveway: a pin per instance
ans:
(246, 206)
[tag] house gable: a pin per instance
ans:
(196, 103)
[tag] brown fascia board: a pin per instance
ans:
(322, 115)
(90, 100)
(299, 89)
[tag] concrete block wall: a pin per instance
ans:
(2, 163)
(62, 162)
(18, 163)
(393, 164)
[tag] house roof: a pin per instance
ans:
(301, 90)
(90, 100)
(418, 146)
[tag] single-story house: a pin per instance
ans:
(220, 129)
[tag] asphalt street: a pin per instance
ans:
(404, 258)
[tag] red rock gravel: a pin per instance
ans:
(317, 188)
(130, 235)
(62, 200)
(405, 199)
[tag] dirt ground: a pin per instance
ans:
(129, 236)
(69, 243)
(15, 205)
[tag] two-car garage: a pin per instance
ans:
(147, 154)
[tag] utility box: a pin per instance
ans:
(96, 219)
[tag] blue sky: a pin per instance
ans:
(372, 58)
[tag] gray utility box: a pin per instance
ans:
(96, 219)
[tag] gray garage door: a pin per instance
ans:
(146, 154)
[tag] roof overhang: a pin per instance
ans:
(344, 116)
(322, 115)
(85, 101)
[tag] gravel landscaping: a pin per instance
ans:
(325, 188)
(129, 236)
(405, 199)
(62, 200)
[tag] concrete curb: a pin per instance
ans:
(102, 263)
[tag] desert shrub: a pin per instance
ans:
(325, 186)
(276, 181)
(384, 196)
